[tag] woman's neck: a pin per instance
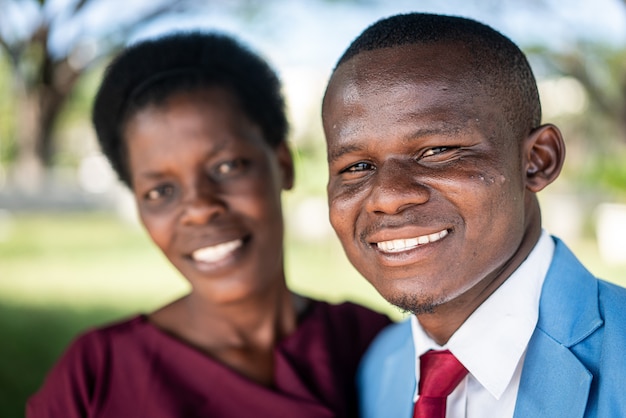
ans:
(241, 334)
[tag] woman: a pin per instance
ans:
(194, 124)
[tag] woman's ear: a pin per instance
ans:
(285, 162)
(544, 154)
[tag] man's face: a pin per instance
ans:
(426, 187)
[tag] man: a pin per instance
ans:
(436, 153)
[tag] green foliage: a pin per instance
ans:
(607, 172)
(311, 168)
(595, 137)
(80, 101)
(73, 131)
(8, 146)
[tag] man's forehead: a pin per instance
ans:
(420, 53)
(416, 90)
(384, 68)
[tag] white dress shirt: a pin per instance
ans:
(492, 342)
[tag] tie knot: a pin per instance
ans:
(440, 373)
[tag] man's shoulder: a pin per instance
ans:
(612, 294)
(612, 305)
(389, 341)
(396, 332)
(386, 378)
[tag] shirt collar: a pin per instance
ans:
(492, 341)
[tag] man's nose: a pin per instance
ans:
(396, 188)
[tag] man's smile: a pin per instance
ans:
(399, 245)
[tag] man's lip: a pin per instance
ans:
(399, 241)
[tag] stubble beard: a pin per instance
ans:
(414, 303)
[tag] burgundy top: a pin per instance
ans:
(133, 369)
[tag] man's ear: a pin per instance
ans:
(285, 161)
(544, 153)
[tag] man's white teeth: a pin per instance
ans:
(216, 252)
(399, 245)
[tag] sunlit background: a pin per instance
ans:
(71, 252)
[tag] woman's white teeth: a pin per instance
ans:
(398, 245)
(216, 252)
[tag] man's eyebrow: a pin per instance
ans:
(443, 129)
(340, 151)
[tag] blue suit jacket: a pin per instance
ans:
(575, 364)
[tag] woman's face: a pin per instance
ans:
(208, 191)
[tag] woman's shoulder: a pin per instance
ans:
(70, 383)
(349, 321)
(90, 345)
(353, 313)
(96, 340)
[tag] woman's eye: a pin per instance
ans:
(159, 192)
(230, 167)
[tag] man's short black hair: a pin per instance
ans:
(497, 61)
(150, 71)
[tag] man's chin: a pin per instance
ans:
(414, 304)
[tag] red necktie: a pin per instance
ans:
(440, 373)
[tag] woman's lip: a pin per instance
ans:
(215, 253)
(393, 246)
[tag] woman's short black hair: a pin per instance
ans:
(149, 72)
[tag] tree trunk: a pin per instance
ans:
(28, 170)
(50, 105)
(39, 107)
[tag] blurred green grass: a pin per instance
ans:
(63, 273)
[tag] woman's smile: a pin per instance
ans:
(215, 253)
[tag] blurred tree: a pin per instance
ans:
(602, 71)
(596, 135)
(48, 46)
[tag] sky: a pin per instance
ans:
(311, 34)
(303, 39)
(314, 33)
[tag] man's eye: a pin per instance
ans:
(434, 151)
(159, 192)
(362, 166)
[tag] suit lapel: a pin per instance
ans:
(554, 382)
(553, 379)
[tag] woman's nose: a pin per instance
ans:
(202, 205)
